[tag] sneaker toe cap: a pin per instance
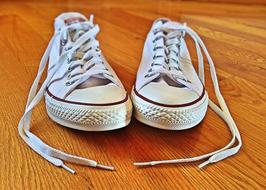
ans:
(98, 95)
(168, 95)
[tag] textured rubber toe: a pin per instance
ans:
(84, 117)
(169, 118)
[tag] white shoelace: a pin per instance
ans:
(222, 111)
(166, 59)
(87, 43)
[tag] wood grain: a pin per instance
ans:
(235, 35)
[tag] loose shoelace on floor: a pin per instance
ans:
(222, 111)
(92, 65)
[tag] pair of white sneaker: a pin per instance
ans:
(83, 92)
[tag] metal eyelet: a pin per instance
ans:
(90, 66)
(157, 47)
(149, 75)
(63, 42)
(174, 51)
(68, 83)
(155, 39)
(69, 76)
(109, 75)
(155, 31)
(67, 48)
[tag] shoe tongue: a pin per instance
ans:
(94, 81)
(165, 23)
(159, 22)
(66, 19)
(73, 20)
(166, 80)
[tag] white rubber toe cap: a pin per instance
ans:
(98, 95)
(162, 93)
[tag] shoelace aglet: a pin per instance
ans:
(105, 167)
(202, 165)
(145, 163)
(68, 169)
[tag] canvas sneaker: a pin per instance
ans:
(81, 89)
(169, 94)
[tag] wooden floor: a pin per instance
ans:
(235, 35)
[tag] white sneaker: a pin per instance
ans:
(81, 89)
(168, 93)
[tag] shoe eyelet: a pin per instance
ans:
(109, 75)
(68, 61)
(67, 48)
(63, 42)
(155, 31)
(69, 83)
(69, 76)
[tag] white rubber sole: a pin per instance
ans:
(89, 118)
(169, 118)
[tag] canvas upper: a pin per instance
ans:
(95, 82)
(161, 86)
